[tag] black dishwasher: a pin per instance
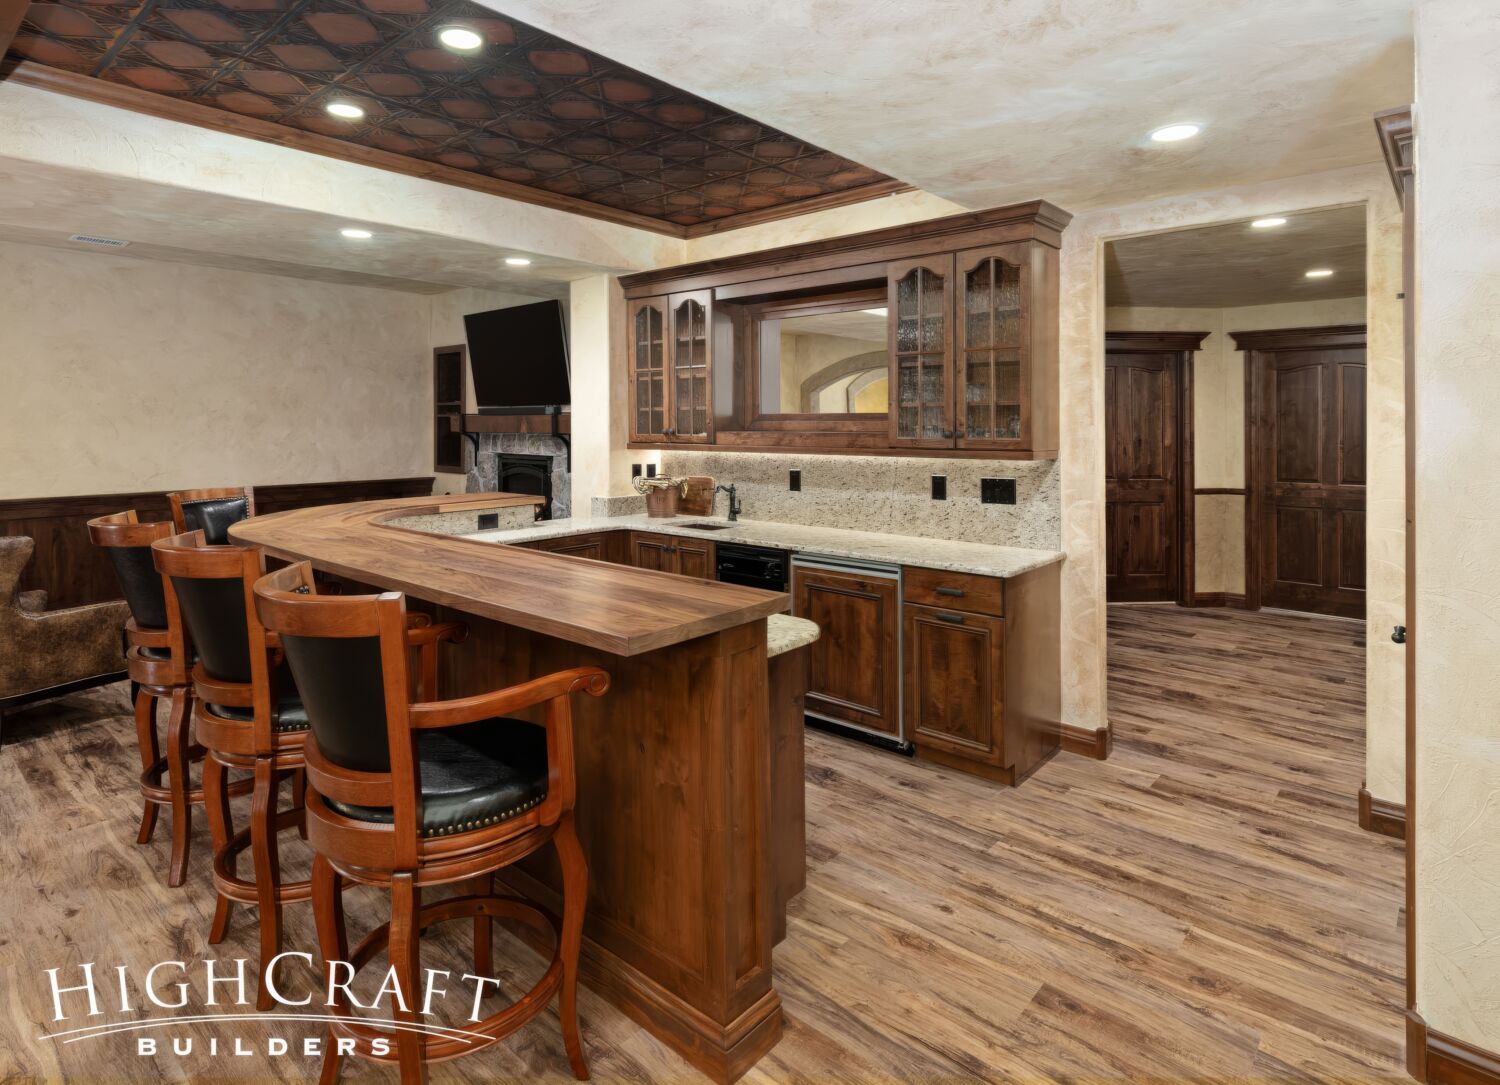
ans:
(752, 566)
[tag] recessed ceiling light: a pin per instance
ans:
(517, 261)
(345, 110)
(461, 38)
(1172, 133)
(1266, 224)
(882, 311)
(1320, 273)
(351, 231)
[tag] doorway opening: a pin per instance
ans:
(1235, 415)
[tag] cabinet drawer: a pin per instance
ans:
(954, 591)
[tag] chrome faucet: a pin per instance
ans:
(734, 501)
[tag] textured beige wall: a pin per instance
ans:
(124, 375)
(1219, 415)
(1457, 630)
(1082, 453)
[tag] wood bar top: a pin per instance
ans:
(614, 608)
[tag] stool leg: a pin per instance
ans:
(484, 956)
(178, 760)
(575, 875)
(221, 829)
(333, 943)
(299, 800)
(403, 951)
(145, 738)
(267, 869)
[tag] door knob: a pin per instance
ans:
(1399, 634)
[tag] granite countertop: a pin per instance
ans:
(785, 633)
(960, 557)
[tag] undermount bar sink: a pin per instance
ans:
(706, 527)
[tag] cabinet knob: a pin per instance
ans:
(947, 435)
(1399, 634)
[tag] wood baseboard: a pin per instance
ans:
(1381, 815)
(1219, 599)
(1438, 1059)
(1090, 742)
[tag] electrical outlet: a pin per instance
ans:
(940, 487)
(997, 491)
(488, 520)
(635, 470)
(794, 480)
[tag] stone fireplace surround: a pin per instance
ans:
(482, 476)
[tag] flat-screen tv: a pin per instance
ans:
(519, 357)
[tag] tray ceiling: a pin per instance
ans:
(527, 108)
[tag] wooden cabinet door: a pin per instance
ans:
(992, 372)
(854, 676)
(578, 546)
(920, 322)
(694, 557)
(953, 682)
(689, 391)
(648, 335)
(652, 552)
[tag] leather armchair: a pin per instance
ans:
(49, 653)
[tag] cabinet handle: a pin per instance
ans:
(947, 435)
(957, 593)
(954, 618)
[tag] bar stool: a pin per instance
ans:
(248, 716)
(156, 659)
(450, 792)
(212, 511)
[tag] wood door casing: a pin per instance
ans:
(954, 669)
(1143, 476)
(1305, 532)
(855, 661)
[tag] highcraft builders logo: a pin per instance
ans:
(151, 1005)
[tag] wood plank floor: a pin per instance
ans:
(1201, 907)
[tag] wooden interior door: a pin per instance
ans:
(855, 663)
(1143, 476)
(1306, 529)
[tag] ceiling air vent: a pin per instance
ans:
(102, 242)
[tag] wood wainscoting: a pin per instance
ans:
(1381, 815)
(73, 571)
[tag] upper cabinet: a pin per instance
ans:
(671, 367)
(938, 337)
(920, 315)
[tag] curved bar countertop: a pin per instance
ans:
(614, 608)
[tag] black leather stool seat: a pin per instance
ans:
(471, 776)
(288, 715)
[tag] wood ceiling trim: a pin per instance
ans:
(824, 202)
(32, 74)
(1126, 342)
(1330, 335)
(1394, 128)
(12, 12)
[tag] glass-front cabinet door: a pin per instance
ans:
(919, 314)
(992, 374)
(648, 368)
(689, 399)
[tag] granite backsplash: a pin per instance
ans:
(889, 494)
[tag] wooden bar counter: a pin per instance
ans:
(674, 763)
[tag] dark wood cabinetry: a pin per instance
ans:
(598, 545)
(856, 659)
(670, 554)
(971, 313)
(954, 682)
(448, 373)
